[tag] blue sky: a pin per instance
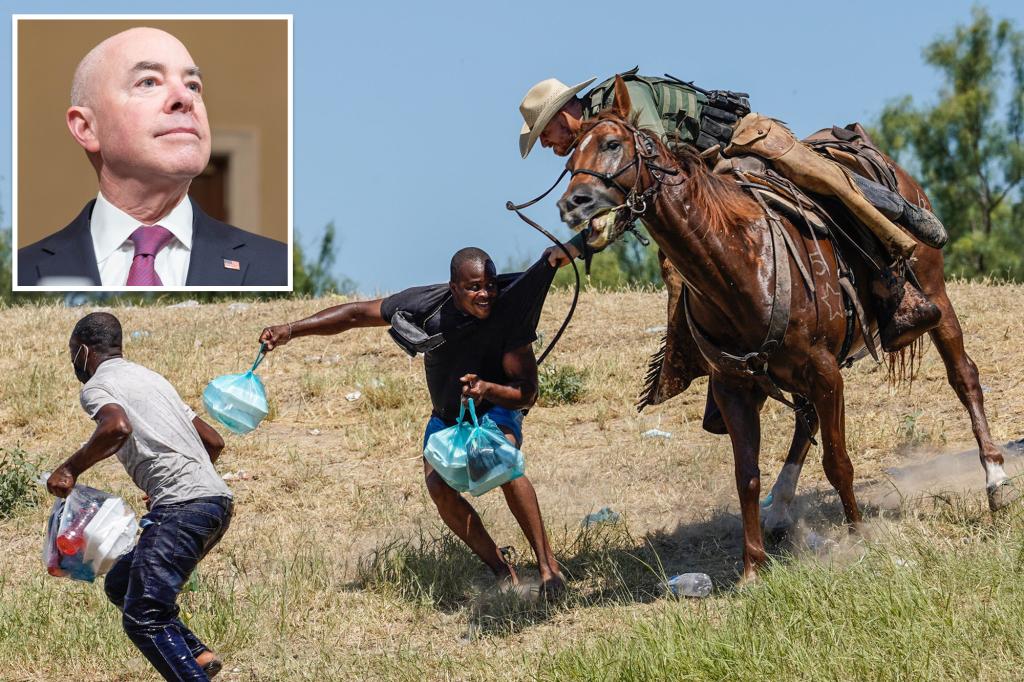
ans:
(406, 114)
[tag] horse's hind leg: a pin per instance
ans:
(741, 405)
(827, 397)
(962, 374)
(778, 517)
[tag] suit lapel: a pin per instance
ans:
(214, 254)
(72, 254)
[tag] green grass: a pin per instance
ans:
(18, 487)
(941, 600)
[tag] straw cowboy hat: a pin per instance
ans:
(540, 105)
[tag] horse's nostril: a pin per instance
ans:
(580, 200)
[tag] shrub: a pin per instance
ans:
(18, 488)
(561, 385)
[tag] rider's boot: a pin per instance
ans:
(904, 313)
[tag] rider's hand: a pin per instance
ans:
(61, 481)
(275, 336)
(474, 387)
(557, 258)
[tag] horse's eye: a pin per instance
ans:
(613, 145)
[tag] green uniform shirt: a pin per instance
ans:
(667, 108)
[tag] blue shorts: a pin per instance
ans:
(502, 416)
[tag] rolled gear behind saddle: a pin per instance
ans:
(762, 136)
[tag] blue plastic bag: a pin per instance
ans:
(474, 456)
(490, 459)
(446, 450)
(238, 401)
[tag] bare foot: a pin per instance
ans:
(552, 588)
(209, 662)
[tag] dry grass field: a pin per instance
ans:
(336, 568)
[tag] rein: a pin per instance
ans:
(518, 209)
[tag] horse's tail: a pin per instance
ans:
(718, 203)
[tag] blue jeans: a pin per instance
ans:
(502, 416)
(144, 583)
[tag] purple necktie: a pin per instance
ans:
(148, 240)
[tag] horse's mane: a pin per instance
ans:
(715, 203)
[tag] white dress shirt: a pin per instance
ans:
(111, 228)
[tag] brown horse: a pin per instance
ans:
(726, 248)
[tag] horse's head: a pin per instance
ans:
(608, 175)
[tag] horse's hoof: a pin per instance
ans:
(747, 579)
(1002, 496)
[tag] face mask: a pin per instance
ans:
(82, 374)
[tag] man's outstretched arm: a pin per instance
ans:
(112, 430)
(332, 320)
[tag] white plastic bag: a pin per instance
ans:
(86, 533)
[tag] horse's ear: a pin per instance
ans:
(622, 106)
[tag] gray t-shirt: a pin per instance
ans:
(164, 455)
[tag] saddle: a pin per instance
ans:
(678, 361)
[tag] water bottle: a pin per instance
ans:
(72, 540)
(690, 585)
(480, 461)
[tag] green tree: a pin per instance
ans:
(627, 262)
(966, 149)
(313, 277)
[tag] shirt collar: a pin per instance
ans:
(111, 227)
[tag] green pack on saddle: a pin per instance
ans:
(677, 112)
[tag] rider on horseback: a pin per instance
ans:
(719, 124)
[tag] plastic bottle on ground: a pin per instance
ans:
(696, 585)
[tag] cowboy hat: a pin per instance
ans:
(541, 103)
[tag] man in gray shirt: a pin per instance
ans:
(169, 452)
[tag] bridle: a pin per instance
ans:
(635, 199)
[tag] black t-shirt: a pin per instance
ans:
(471, 345)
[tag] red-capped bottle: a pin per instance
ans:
(72, 540)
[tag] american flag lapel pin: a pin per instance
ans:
(231, 264)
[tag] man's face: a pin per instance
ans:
(79, 360)
(146, 99)
(476, 288)
(557, 134)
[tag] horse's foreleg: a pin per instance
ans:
(778, 517)
(962, 374)
(740, 406)
(827, 396)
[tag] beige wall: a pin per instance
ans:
(245, 81)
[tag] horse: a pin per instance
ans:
(731, 253)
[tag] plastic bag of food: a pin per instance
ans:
(86, 533)
(238, 401)
(490, 459)
(446, 450)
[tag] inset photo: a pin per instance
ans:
(152, 153)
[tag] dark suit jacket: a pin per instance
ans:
(69, 253)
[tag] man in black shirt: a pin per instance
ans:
(476, 333)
